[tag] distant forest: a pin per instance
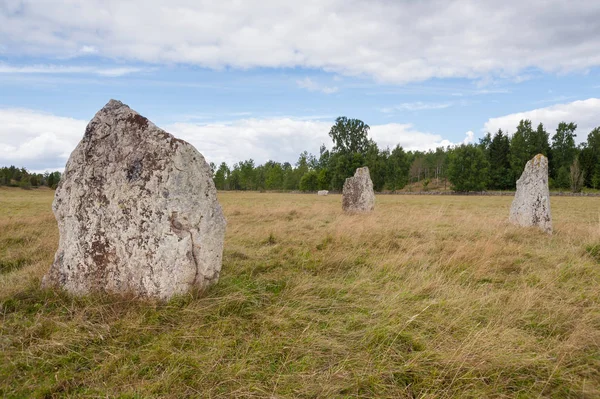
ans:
(495, 163)
(20, 177)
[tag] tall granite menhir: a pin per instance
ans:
(531, 206)
(357, 194)
(137, 212)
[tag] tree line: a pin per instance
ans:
(495, 163)
(20, 177)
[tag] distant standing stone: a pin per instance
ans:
(137, 212)
(531, 206)
(358, 195)
(322, 192)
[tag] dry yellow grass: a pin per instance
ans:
(427, 297)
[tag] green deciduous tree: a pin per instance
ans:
(349, 136)
(221, 176)
(351, 148)
(376, 160)
(274, 175)
(397, 169)
(563, 153)
(468, 168)
(343, 166)
(246, 175)
(310, 181)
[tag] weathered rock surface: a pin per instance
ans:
(137, 212)
(357, 194)
(322, 192)
(531, 206)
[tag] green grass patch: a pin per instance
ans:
(427, 297)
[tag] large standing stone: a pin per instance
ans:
(358, 195)
(137, 212)
(531, 206)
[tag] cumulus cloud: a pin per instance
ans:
(282, 139)
(469, 137)
(37, 140)
(392, 41)
(586, 113)
(278, 139)
(42, 141)
(310, 85)
(63, 69)
(405, 135)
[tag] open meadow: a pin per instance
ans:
(427, 297)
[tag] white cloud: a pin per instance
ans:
(415, 106)
(42, 141)
(62, 69)
(469, 137)
(480, 92)
(115, 72)
(88, 50)
(310, 85)
(282, 139)
(586, 113)
(37, 140)
(392, 41)
(491, 91)
(405, 134)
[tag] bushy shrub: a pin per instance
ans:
(25, 184)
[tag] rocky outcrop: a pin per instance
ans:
(137, 212)
(531, 206)
(357, 194)
(322, 192)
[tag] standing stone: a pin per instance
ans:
(358, 195)
(531, 206)
(322, 192)
(137, 212)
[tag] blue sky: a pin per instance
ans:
(266, 79)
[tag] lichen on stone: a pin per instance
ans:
(531, 205)
(137, 212)
(357, 193)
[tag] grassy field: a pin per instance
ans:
(427, 297)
